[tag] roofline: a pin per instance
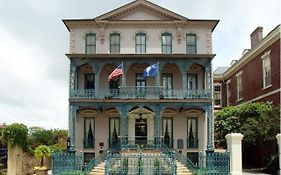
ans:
(215, 22)
(270, 38)
(195, 56)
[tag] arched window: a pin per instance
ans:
(115, 43)
(191, 43)
(140, 43)
(166, 43)
(90, 43)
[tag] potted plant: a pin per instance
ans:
(41, 153)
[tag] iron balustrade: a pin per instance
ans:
(186, 162)
(139, 92)
(214, 163)
(141, 163)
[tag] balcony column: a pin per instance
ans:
(97, 71)
(208, 74)
(209, 112)
(158, 125)
(72, 73)
(123, 110)
(125, 70)
(71, 125)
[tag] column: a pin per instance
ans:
(96, 66)
(209, 111)
(123, 111)
(235, 149)
(208, 75)
(278, 137)
(72, 73)
(71, 128)
(158, 125)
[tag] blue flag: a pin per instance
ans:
(150, 71)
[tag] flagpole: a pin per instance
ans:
(123, 76)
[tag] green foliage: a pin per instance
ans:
(15, 134)
(41, 136)
(258, 122)
(42, 152)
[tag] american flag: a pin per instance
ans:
(118, 71)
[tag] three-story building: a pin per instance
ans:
(174, 106)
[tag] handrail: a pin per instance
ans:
(187, 162)
(95, 161)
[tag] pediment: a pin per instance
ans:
(140, 10)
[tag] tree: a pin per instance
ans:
(258, 122)
(42, 152)
(16, 135)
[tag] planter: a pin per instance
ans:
(41, 172)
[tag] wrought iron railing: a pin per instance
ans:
(139, 163)
(95, 161)
(66, 163)
(214, 163)
(145, 92)
(186, 162)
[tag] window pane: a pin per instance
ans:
(140, 43)
(191, 45)
(89, 81)
(90, 43)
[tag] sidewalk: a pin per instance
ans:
(251, 172)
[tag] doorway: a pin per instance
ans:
(141, 131)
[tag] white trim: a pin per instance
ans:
(265, 54)
(239, 73)
(228, 81)
(266, 87)
(264, 95)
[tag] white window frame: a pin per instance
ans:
(228, 92)
(239, 86)
(219, 93)
(265, 57)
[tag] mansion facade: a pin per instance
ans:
(174, 107)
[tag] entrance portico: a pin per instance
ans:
(140, 126)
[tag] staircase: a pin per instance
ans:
(182, 170)
(100, 169)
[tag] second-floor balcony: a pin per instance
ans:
(140, 92)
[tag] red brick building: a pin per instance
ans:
(255, 77)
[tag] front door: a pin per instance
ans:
(140, 131)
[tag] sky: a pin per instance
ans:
(34, 70)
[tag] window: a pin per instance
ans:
(266, 66)
(114, 132)
(192, 136)
(115, 43)
(140, 85)
(140, 43)
(191, 43)
(167, 80)
(167, 131)
(90, 47)
(228, 93)
(89, 132)
(217, 94)
(166, 39)
(89, 81)
(192, 81)
(239, 86)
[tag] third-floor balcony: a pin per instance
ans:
(140, 92)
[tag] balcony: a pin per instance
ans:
(139, 92)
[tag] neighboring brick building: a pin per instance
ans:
(255, 77)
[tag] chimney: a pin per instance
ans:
(256, 36)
